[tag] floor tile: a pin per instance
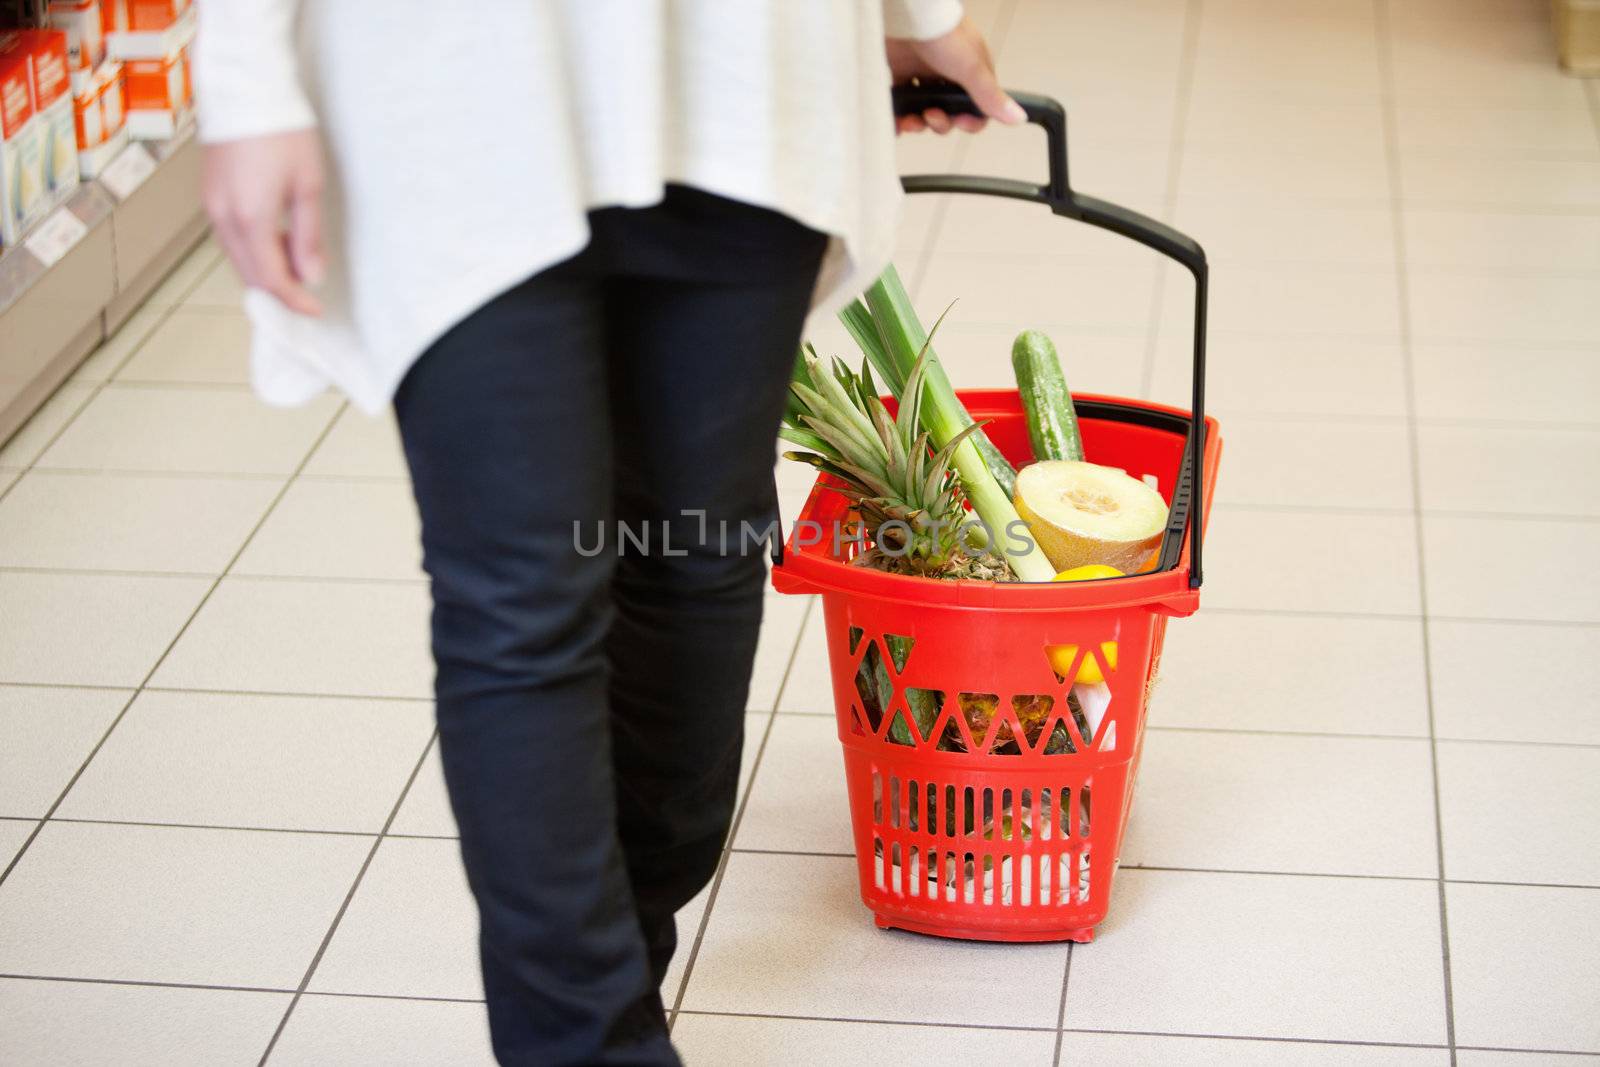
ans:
(1510, 470)
(380, 1032)
(185, 276)
(1252, 119)
(129, 522)
(1472, 308)
(1301, 462)
(1139, 1050)
(1358, 563)
(223, 907)
(979, 357)
(1040, 290)
(359, 446)
(1510, 682)
(8, 475)
(24, 446)
(1509, 131)
(90, 629)
(13, 833)
(1537, 385)
(1283, 375)
(345, 639)
(780, 629)
(219, 287)
(1502, 1058)
(1303, 805)
(1535, 576)
(286, 763)
(1466, 62)
(1514, 813)
(1449, 179)
(411, 929)
(194, 346)
(1267, 176)
(809, 687)
(426, 810)
(1504, 241)
(1347, 302)
(45, 735)
(798, 803)
(1302, 674)
(1264, 956)
(102, 364)
(735, 1041)
(1523, 969)
(339, 529)
(1320, 59)
(100, 1025)
(974, 225)
(1233, 230)
(781, 921)
(210, 431)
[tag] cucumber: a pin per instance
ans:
(1052, 422)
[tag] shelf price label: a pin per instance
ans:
(55, 236)
(128, 171)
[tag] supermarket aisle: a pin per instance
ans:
(1364, 826)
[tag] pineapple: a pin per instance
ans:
(909, 502)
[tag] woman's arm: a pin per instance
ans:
(935, 38)
(263, 162)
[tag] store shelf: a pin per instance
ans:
(52, 316)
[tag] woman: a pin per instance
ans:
(574, 243)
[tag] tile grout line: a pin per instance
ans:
(1391, 139)
(1194, 12)
(134, 695)
(1061, 1007)
(733, 827)
(349, 896)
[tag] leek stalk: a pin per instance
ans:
(903, 340)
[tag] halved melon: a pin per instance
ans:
(1083, 513)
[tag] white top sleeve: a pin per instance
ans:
(920, 20)
(245, 69)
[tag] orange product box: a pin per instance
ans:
(157, 96)
(138, 16)
(81, 21)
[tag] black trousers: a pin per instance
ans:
(591, 704)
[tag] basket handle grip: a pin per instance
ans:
(1057, 194)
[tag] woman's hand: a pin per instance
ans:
(264, 196)
(960, 56)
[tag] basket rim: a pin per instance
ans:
(804, 569)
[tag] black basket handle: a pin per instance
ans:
(1057, 194)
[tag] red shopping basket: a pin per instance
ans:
(1002, 820)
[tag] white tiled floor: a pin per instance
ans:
(1365, 821)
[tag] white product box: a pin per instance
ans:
(23, 199)
(86, 43)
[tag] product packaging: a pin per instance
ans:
(52, 106)
(102, 131)
(158, 95)
(22, 184)
(81, 21)
(147, 29)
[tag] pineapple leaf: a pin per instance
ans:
(842, 443)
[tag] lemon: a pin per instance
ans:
(1088, 572)
(1061, 655)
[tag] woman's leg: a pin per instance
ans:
(703, 330)
(507, 429)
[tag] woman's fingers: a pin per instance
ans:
(911, 124)
(937, 120)
(264, 196)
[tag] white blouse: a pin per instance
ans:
(466, 143)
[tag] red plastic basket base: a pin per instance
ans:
(1080, 934)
